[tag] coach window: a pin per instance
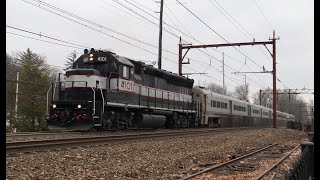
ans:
(214, 103)
(218, 104)
(225, 105)
(244, 109)
(125, 72)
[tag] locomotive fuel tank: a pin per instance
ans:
(150, 121)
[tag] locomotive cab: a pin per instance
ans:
(79, 96)
(74, 99)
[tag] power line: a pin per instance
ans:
(24, 82)
(116, 1)
(268, 58)
(42, 40)
(197, 40)
(228, 17)
(94, 28)
(113, 36)
(256, 3)
(42, 35)
(216, 32)
(71, 46)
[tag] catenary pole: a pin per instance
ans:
(160, 35)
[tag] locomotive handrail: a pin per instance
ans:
(48, 100)
(102, 95)
(92, 88)
(94, 99)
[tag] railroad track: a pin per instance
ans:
(222, 165)
(231, 164)
(41, 145)
(43, 133)
(269, 170)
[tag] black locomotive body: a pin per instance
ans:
(107, 91)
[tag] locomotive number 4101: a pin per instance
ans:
(126, 85)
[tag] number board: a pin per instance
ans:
(102, 59)
(126, 85)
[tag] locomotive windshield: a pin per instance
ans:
(83, 72)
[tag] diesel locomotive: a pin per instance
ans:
(106, 91)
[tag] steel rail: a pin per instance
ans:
(277, 163)
(38, 145)
(28, 134)
(218, 166)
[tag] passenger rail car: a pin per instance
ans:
(216, 110)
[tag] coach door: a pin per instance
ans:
(269, 114)
(230, 107)
(204, 109)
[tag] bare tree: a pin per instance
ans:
(218, 89)
(297, 106)
(70, 60)
(242, 92)
(266, 99)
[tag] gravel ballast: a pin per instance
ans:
(169, 158)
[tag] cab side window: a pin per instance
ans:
(126, 72)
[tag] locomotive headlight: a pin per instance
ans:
(54, 106)
(91, 57)
(79, 106)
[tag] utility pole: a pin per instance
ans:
(223, 70)
(245, 79)
(160, 35)
(274, 79)
(260, 96)
(16, 105)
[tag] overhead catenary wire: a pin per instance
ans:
(104, 33)
(235, 23)
(265, 17)
(77, 47)
(43, 35)
(165, 58)
(166, 24)
(216, 32)
(63, 44)
(198, 49)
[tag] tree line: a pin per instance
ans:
(35, 79)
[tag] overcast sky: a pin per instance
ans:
(132, 32)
